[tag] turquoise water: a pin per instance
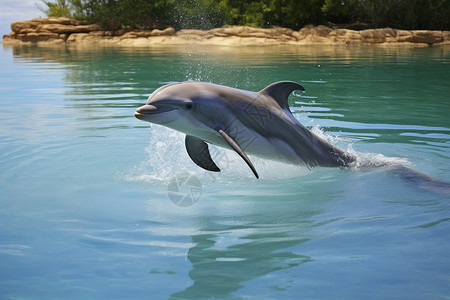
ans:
(88, 201)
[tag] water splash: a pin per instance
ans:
(167, 157)
(397, 166)
(363, 160)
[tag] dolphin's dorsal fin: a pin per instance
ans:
(198, 151)
(281, 90)
(232, 143)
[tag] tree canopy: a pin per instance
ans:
(206, 14)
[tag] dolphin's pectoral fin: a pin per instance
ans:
(198, 151)
(238, 149)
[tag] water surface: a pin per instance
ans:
(85, 211)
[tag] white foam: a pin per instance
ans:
(363, 160)
(167, 157)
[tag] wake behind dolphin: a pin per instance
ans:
(258, 123)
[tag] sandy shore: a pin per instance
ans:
(64, 31)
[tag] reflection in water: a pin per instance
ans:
(217, 273)
(241, 240)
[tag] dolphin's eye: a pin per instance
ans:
(189, 105)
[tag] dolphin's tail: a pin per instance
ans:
(419, 179)
(410, 176)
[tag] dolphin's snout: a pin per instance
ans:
(146, 109)
(149, 109)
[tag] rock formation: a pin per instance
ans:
(49, 31)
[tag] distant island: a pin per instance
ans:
(63, 31)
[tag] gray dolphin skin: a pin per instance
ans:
(257, 123)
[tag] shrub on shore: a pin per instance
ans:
(207, 14)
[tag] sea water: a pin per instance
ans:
(95, 204)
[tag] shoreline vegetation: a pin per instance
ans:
(237, 22)
(66, 31)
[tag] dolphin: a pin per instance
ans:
(257, 123)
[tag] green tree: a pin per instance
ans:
(295, 14)
(199, 14)
(60, 8)
(342, 11)
(206, 14)
(142, 14)
(406, 14)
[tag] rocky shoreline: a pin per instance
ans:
(65, 31)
